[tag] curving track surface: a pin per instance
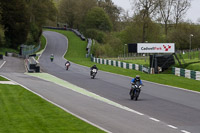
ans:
(165, 109)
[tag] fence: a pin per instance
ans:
(186, 73)
(121, 64)
(28, 50)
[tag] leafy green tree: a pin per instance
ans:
(15, 18)
(96, 34)
(81, 10)
(40, 11)
(134, 32)
(146, 9)
(112, 10)
(97, 18)
(73, 12)
(0, 24)
(67, 12)
(181, 35)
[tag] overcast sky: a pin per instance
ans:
(193, 13)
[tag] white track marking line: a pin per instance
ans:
(184, 131)
(2, 64)
(60, 106)
(9, 79)
(154, 119)
(8, 82)
(172, 126)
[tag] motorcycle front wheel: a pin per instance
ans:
(137, 93)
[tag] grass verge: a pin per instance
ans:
(3, 79)
(4, 50)
(76, 53)
(24, 112)
(43, 43)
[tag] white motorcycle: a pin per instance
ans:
(93, 73)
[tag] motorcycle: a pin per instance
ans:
(135, 91)
(67, 66)
(93, 73)
(51, 57)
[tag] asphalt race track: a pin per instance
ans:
(165, 109)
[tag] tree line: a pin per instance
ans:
(22, 20)
(160, 21)
(153, 21)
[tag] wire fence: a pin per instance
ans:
(29, 49)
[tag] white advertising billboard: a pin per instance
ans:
(155, 48)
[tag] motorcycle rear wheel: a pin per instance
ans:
(132, 95)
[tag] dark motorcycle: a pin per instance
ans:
(51, 57)
(67, 66)
(93, 73)
(135, 91)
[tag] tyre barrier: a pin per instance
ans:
(121, 64)
(191, 74)
(1, 56)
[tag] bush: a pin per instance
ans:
(95, 34)
(33, 35)
(112, 48)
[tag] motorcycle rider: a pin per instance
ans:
(67, 62)
(136, 79)
(93, 67)
(51, 57)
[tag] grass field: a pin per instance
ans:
(191, 64)
(24, 112)
(3, 79)
(76, 53)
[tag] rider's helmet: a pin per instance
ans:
(94, 65)
(137, 77)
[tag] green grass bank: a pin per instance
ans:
(76, 53)
(24, 112)
(43, 43)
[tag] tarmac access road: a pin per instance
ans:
(165, 109)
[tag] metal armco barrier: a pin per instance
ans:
(186, 73)
(121, 64)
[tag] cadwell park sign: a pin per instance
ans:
(155, 48)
